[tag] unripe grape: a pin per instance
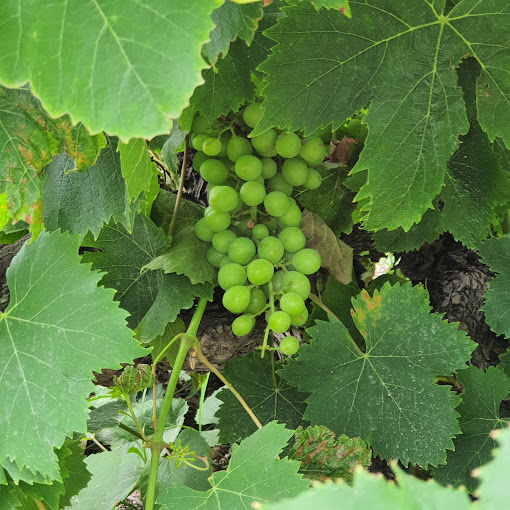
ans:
(354, 127)
(202, 231)
(252, 114)
(214, 256)
(295, 171)
(258, 301)
(224, 261)
(278, 183)
(238, 146)
(248, 167)
(276, 203)
(217, 220)
(198, 140)
(259, 271)
(292, 238)
(289, 345)
(211, 146)
(299, 320)
(236, 299)
(288, 145)
(241, 250)
(203, 125)
(277, 281)
(265, 142)
(313, 179)
(224, 139)
(243, 324)
(307, 261)
(259, 231)
(221, 240)
(252, 193)
(269, 168)
(279, 322)
(231, 275)
(291, 217)
(213, 171)
(294, 281)
(292, 304)
(198, 159)
(223, 198)
(313, 150)
(270, 248)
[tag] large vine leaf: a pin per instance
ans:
(232, 20)
(269, 398)
(97, 60)
(28, 140)
(56, 315)
(341, 5)
(151, 297)
(255, 473)
(482, 395)
(417, 111)
(494, 253)
(386, 394)
(81, 201)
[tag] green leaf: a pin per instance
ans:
(161, 341)
(8, 501)
(105, 415)
(114, 475)
(255, 473)
(269, 398)
(324, 457)
(331, 201)
(56, 315)
(79, 475)
(232, 20)
(29, 138)
(482, 395)
(494, 489)
(494, 253)
(387, 394)
(122, 67)
(408, 96)
(173, 144)
(136, 166)
(374, 491)
(151, 297)
(341, 5)
(187, 254)
(81, 201)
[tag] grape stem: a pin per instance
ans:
(181, 188)
(39, 504)
(271, 307)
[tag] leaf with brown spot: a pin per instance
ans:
(336, 256)
(340, 150)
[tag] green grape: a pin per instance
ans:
(267, 154)
(224, 139)
(289, 345)
(279, 321)
(354, 127)
(291, 217)
(259, 271)
(269, 168)
(307, 261)
(241, 250)
(223, 198)
(325, 134)
(221, 240)
(202, 231)
(211, 146)
(313, 151)
(252, 193)
(292, 303)
(231, 275)
(213, 171)
(295, 171)
(248, 167)
(292, 238)
(276, 203)
(278, 183)
(299, 320)
(259, 231)
(252, 114)
(214, 257)
(198, 140)
(271, 224)
(265, 142)
(203, 125)
(294, 281)
(270, 248)
(288, 145)
(216, 220)
(313, 179)
(243, 324)
(224, 261)
(258, 301)
(238, 146)
(277, 281)
(198, 159)
(236, 298)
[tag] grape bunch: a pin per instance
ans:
(252, 221)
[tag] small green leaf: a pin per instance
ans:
(136, 166)
(341, 5)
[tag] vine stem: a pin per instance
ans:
(135, 419)
(188, 340)
(181, 187)
(39, 504)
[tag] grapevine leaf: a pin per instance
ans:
(363, 394)
(331, 201)
(209, 408)
(79, 475)
(136, 166)
(173, 144)
(479, 415)
(114, 475)
(372, 491)
(255, 473)
(232, 20)
(336, 256)
(151, 297)
(504, 362)
(409, 94)
(8, 501)
(81, 201)
(494, 253)
(227, 86)
(324, 457)
(187, 254)
(97, 62)
(29, 138)
(494, 489)
(54, 303)
(252, 376)
(341, 5)
(105, 415)
(161, 341)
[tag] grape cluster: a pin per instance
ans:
(252, 221)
